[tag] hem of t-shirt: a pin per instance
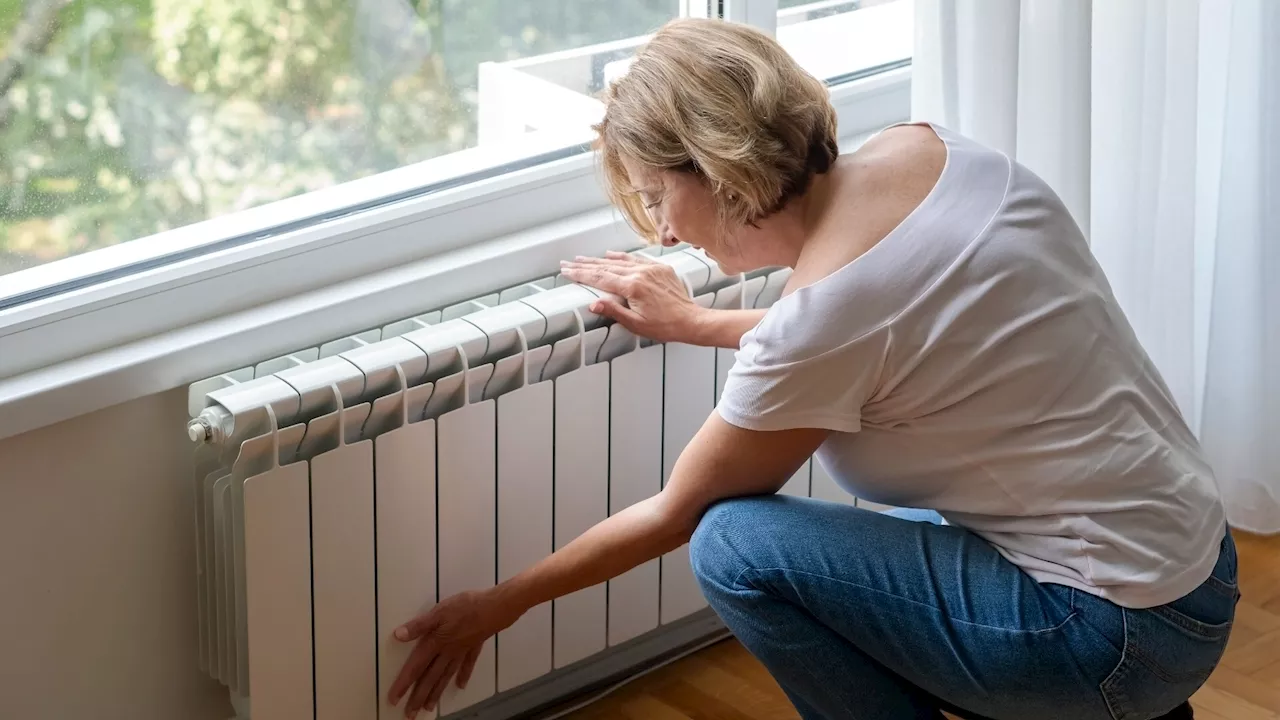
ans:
(1136, 597)
(788, 421)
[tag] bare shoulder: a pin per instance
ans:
(875, 188)
(902, 159)
(888, 177)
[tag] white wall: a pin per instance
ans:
(97, 585)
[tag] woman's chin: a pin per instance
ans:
(731, 267)
(725, 267)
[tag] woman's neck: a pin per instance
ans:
(780, 238)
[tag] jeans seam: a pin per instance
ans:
(1155, 668)
(1222, 586)
(1112, 694)
(1202, 630)
(1070, 615)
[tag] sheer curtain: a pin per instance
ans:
(1158, 122)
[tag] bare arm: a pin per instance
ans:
(724, 328)
(657, 303)
(722, 461)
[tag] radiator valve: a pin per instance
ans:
(200, 431)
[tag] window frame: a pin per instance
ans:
(763, 14)
(165, 326)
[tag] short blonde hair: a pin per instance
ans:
(723, 101)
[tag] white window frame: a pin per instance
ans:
(163, 327)
(760, 13)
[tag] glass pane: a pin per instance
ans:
(834, 39)
(124, 118)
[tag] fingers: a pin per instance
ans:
(621, 262)
(426, 683)
(419, 661)
(637, 258)
(619, 313)
(443, 682)
(642, 259)
(619, 268)
(617, 259)
(429, 689)
(417, 627)
(613, 260)
(469, 666)
(598, 277)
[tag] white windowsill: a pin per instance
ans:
(175, 325)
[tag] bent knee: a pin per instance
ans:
(721, 546)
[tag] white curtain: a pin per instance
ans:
(1158, 122)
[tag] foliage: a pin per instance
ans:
(145, 115)
(283, 51)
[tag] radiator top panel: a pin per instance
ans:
(230, 407)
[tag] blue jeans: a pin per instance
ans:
(864, 615)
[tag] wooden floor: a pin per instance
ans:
(725, 683)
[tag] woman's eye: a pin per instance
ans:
(649, 199)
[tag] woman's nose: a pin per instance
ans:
(670, 240)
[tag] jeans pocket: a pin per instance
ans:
(1193, 628)
(1167, 656)
(1170, 651)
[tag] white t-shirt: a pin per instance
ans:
(975, 362)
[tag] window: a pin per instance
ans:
(843, 39)
(121, 119)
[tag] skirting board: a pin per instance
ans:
(599, 671)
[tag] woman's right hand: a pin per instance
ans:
(657, 306)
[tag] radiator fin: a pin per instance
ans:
(278, 575)
(581, 501)
(635, 474)
(343, 576)
(525, 516)
(468, 530)
(405, 509)
(689, 397)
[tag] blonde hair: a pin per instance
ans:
(723, 101)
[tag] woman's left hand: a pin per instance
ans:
(657, 305)
(450, 636)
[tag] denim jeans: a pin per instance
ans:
(864, 615)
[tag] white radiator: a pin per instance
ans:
(345, 488)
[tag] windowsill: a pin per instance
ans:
(175, 325)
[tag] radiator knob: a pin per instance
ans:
(199, 431)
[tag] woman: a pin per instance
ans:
(946, 341)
